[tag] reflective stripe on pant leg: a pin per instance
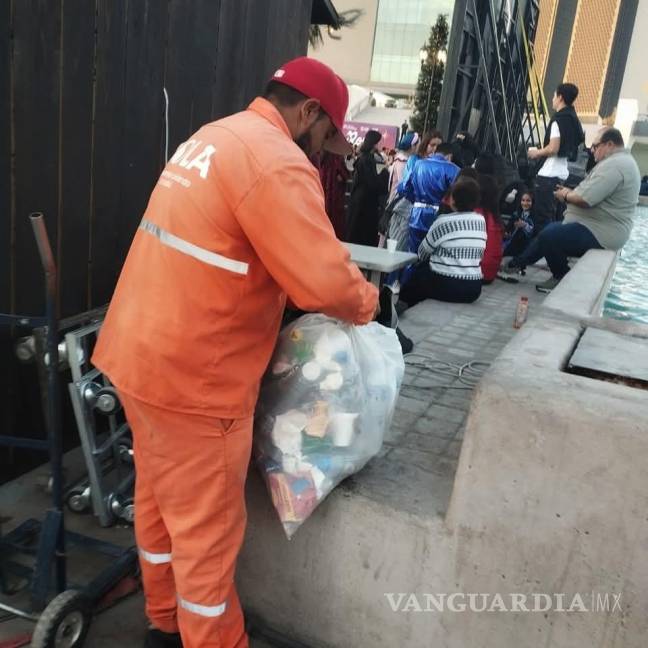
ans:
(151, 534)
(201, 465)
(155, 558)
(202, 610)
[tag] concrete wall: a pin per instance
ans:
(550, 497)
(351, 56)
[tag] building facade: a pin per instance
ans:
(381, 51)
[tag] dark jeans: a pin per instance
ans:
(425, 284)
(415, 239)
(555, 243)
(544, 202)
(518, 243)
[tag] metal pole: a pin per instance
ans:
(497, 44)
(53, 388)
(489, 93)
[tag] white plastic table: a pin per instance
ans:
(378, 260)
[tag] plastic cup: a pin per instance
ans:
(391, 245)
(342, 426)
(290, 464)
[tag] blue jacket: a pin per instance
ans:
(425, 187)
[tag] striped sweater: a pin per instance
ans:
(454, 245)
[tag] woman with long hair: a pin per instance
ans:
(366, 191)
(489, 208)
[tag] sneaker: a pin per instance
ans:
(157, 639)
(510, 276)
(547, 286)
(406, 344)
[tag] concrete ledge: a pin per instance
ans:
(550, 496)
(583, 291)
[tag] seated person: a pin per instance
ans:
(519, 229)
(644, 186)
(446, 207)
(451, 252)
(600, 211)
(425, 188)
(489, 208)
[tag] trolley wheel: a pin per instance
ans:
(107, 401)
(64, 623)
(124, 508)
(78, 500)
(125, 452)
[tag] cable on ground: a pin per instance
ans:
(468, 374)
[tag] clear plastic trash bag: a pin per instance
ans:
(325, 404)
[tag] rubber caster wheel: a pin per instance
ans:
(64, 623)
(124, 509)
(78, 500)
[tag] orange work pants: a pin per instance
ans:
(190, 520)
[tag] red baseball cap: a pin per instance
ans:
(317, 81)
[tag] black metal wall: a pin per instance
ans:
(618, 57)
(82, 130)
(487, 79)
(560, 43)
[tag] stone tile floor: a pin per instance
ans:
(416, 467)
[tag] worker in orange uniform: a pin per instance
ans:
(235, 225)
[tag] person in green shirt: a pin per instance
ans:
(599, 215)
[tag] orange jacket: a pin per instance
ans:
(235, 223)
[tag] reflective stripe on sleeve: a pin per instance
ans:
(423, 205)
(155, 558)
(210, 258)
(202, 610)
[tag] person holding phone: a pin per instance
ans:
(599, 215)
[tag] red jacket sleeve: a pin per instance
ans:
(492, 258)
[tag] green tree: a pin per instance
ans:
(428, 88)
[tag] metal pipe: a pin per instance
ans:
(19, 613)
(23, 442)
(497, 46)
(53, 388)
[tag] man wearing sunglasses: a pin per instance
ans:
(599, 215)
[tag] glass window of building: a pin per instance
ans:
(402, 28)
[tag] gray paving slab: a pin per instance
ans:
(417, 472)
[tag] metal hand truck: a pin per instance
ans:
(107, 449)
(64, 622)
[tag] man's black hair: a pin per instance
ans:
(445, 148)
(568, 92)
(287, 96)
(465, 193)
(612, 135)
(284, 94)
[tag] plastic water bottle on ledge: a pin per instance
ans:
(521, 312)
